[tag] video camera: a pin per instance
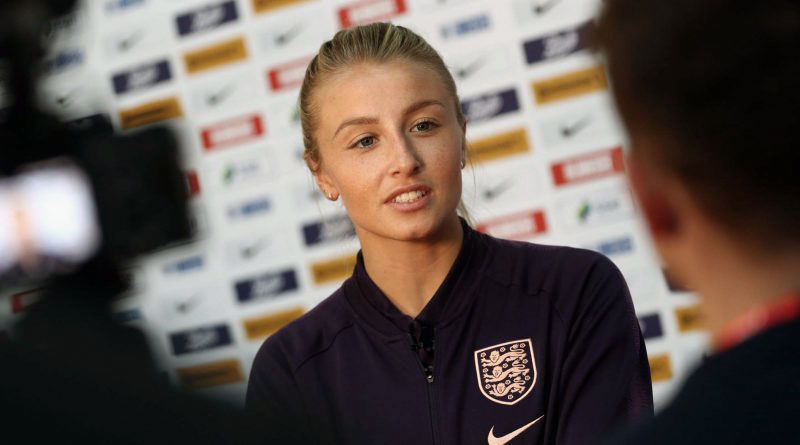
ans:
(75, 194)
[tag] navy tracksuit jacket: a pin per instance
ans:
(521, 344)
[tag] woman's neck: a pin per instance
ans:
(410, 272)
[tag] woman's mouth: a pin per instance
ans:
(409, 196)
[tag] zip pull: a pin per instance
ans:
(429, 374)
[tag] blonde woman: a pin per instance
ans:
(442, 334)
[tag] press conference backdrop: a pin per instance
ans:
(546, 154)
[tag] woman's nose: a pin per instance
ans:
(405, 157)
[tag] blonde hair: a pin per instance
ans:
(376, 43)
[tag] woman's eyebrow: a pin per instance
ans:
(421, 104)
(364, 120)
(355, 121)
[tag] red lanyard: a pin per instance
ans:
(756, 320)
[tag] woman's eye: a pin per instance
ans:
(424, 126)
(365, 142)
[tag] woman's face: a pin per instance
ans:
(391, 146)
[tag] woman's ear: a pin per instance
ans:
(326, 185)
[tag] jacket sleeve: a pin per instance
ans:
(273, 398)
(605, 380)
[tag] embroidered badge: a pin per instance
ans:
(506, 372)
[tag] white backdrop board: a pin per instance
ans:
(546, 149)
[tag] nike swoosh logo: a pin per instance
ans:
(467, 71)
(249, 251)
(542, 8)
(216, 97)
(127, 43)
(286, 37)
(65, 99)
(187, 305)
(571, 130)
(505, 439)
(493, 192)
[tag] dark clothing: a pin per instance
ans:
(749, 394)
(566, 342)
(72, 375)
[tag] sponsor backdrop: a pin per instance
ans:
(546, 153)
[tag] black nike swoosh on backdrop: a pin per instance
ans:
(570, 130)
(286, 37)
(187, 305)
(252, 250)
(65, 99)
(491, 193)
(128, 42)
(467, 71)
(542, 8)
(215, 98)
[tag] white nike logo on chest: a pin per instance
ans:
(505, 439)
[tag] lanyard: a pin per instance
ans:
(756, 320)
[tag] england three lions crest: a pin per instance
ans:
(506, 372)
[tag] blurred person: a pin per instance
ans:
(707, 91)
(442, 334)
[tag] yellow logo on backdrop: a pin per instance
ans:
(498, 146)
(689, 318)
(150, 112)
(215, 55)
(569, 85)
(260, 327)
(211, 374)
(660, 367)
(333, 270)
(260, 6)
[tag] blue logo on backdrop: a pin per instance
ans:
(487, 106)
(466, 26)
(337, 228)
(184, 264)
(615, 246)
(559, 44)
(63, 60)
(265, 287)
(118, 5)
(142, 77)
(651, 326)
(200, 339)
(206, 18)
(249, 208)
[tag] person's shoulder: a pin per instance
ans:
(545, 267)
(310, 334)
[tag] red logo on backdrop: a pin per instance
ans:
(23, 300)
(233, 131)
(193, 182)
(516, 226)
(590, 166)
(370, 11)
(289, 75)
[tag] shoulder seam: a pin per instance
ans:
(333, 340)
(538, 291)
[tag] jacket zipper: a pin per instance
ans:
(427, 372)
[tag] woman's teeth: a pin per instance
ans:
(409, 196)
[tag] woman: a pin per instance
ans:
(442, 334)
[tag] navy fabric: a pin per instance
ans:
(351, 370)
(748, 394)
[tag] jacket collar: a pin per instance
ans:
(450, 298)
